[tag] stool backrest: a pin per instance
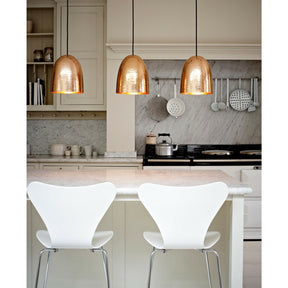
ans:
(71, 214)
(183, 214)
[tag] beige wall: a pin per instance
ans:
(227, 29)
(170, 21)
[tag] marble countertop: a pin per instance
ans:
(82, 159)
(127, 181)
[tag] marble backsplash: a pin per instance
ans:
(42, 133)
(199, 124)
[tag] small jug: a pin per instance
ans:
(76, 150)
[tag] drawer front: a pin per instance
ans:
(253, 179)
(252, 213)
(59, 167)
(100, 167)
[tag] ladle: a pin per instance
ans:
(221, 104)
(214, 105)
(252, 107)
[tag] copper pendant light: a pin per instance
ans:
(196, 78)
(132, 76)
(67, 76)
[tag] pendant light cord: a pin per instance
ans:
(196, 25)
(67, 30)
(132, 27)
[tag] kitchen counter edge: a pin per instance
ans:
(82, 159)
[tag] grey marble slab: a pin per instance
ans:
(199, 124)
(42, 133)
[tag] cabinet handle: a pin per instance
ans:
(257, 168)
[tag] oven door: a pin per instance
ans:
(166, 162)
(152, 164)
(166, 167)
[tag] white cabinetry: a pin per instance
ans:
(252, 264)
(252, 212)
(252, 221)
(86, 43)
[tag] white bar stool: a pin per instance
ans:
(71, 215)
(183, 216)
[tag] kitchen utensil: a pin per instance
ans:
(240, 99)
(251, 107)
(156, 107)
(175, 106)
(221, 104)
(256, 100)
(58, 149)
(76, 150)
(227, 95)
(165, 148)
(151, 139)
(214, 105)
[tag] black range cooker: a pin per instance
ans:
(206, 155)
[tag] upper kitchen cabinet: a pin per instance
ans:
(86, 43)
(41, 23)
(165, 29)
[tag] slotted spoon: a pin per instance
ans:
(175, 106)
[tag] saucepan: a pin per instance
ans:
(165, 148)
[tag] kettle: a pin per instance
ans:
(165, 148)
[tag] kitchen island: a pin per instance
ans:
(128, 219)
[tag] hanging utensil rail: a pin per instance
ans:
(157, 79)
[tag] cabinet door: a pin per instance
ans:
(252, 264)
(86, 44)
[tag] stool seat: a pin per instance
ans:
(155, 240)
(99, 239)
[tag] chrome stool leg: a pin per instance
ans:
(47, 266)
(218, 266)
(151, 263)
(105, 264)
(38, 269)
(207, 267)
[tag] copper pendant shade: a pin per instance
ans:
(132, 76)
(67, 76)
(196, 78)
